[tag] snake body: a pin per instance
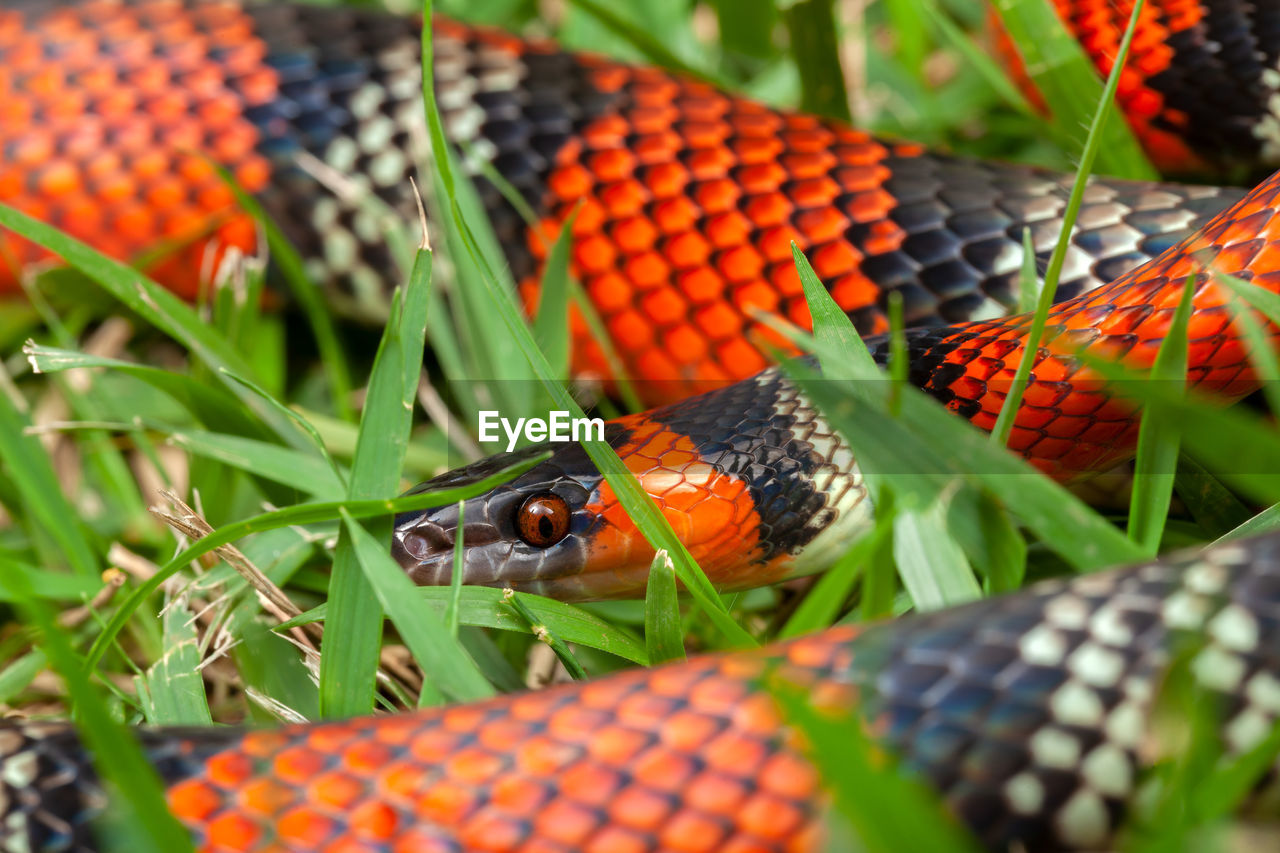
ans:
(689, 197)
(1026, 713)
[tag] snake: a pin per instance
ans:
(1026, 712)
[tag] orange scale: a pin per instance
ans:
(640, 808)
(588, 783)
(567, 823)
(770, 817)
(592, 216)
(46, 82)
(665, 180)
(1049, 448)
(266, 797)
(574, 724)
(166, 193)
(685, 341)
(634, 234)
(230, 770)
(304, 828)
(335, 789)
(214, 196)
(776, 241)
(544, 756)
(82, 213)
(616, 744)
(872, 207)
(203, 80)
(374, 821)
(710, 162)
(664, 306)
(740, 263)
(674, 215)
(653, 119)
(688, 250)
(1104, 432)
(613, 164)
(808, 139)
(474, 765)
(758, 295)
(24, 55)
(33, 148)
(701, 285)
(193, 801)
(717, 195)
(257, 86)
(753, 149)
(649, 270)
(761, 177)
(687, 731)
(624, 198)
(609, 131)
(787, 775)
(821, 224)
(240, 231)
(149, 78)
(809, 164)
(234, 143)
(631, 331)
(594, 255)
(740, 357)
(705, 107)
(729, 228)
(116, 103)
(616, 839)
(433, 745)
(12, 183)
(797, 311)
(518, 794)
(703, 134)
(690, 832)
(366, 756)
(609, 292)
(15, 111)
(70, 106)
(719, 321)
(658, 366)
(446, 803)
(182, 134)
(769, 208)
(298, 765)
(232, 832)
(814, 192)
(752, 119)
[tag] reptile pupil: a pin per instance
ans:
(543, 519)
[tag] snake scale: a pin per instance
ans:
(1027, 713)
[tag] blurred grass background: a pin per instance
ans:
(245, 416)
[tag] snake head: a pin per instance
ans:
(750, 478)
(531, 533)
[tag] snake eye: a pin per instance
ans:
(543, 519)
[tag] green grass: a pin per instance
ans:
(258, 428)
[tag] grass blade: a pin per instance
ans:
(663, 629)
(1048, 290)
(485, 607)
(1069, 83)
(1158, 438)
(172, 689)
(348, 662)
(443, 659)
(816, 52)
